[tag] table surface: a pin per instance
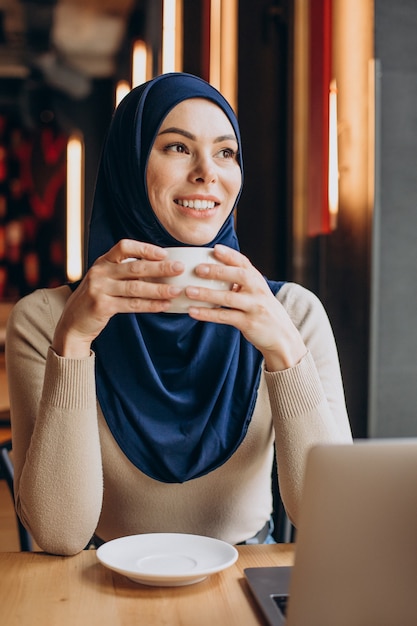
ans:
(40, 589)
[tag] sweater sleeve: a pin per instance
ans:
(307, 401)
(56, 449)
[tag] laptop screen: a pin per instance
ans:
(356, 538)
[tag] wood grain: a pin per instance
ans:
(40, 589)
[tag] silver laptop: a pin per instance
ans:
(356, 542)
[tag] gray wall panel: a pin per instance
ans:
(393, 378)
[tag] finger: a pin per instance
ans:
(229, 256)
(147, 290)
(127, 249)
(133, 305)
(143, 268)
(141, 305)
(99, 283)
(231, 317)
(218, 297)
(224, 273)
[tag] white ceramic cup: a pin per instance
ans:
(191, 257)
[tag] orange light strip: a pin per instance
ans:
(139, 63)
(122, 89)
(75, 207)
(172, 12)
(223, 48)
(333, 157)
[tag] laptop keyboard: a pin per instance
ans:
(282, 602)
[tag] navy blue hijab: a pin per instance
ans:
(177, 394)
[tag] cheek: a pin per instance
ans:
(148, 182)
(159, 179)
(154, 187)
(153, 175)
(235, 184)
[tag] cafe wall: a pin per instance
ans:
(268, 103)
(32, 204)
(331, 255)
(363, 270)
(393, 379)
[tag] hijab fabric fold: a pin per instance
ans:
(177, 394)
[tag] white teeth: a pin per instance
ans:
(197, 204)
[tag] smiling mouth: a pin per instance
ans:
(199, 205)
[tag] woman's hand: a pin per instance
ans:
(251, 307)
(120, 281)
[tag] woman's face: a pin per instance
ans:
(193, 175)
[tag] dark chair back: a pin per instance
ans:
(6, 473)
(284, 531)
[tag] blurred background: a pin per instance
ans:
(325, 92)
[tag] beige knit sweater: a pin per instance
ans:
(72, 479)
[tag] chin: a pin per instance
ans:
(196, 241)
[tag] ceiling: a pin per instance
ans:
(67, 43)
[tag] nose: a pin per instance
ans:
(204, 170)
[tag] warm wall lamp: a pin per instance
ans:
(75, 207)
(140, 73)
(139, 63)
(322, 157)
(171, 53)
(172, 19)
(122, 89)
(221, 45)
(333, 175)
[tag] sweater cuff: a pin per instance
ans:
(297, 390)
(69, 383)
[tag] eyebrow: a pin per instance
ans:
(185, 133)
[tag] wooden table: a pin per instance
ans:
(43, 590)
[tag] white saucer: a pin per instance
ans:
(167, 559)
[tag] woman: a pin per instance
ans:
(127, 419)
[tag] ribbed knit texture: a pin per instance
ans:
(297, 390)
(65, 382)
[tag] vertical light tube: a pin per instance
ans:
(179, 35)
(139, 63)
(333, 157)
(169, 19)
(299, 164)
(215, 43)
(75, 207)
(223, 48)
(228, 51)
(122, 89)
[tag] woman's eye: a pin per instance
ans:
(176, 147)
(227, 153)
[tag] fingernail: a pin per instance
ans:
(192, 291)
(177, 266)
(203, 269)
